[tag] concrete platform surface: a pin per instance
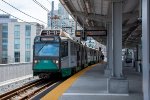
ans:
(92, 85)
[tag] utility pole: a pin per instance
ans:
(52, 13)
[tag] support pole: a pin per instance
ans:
(76, 24)
(108, 70)
(117, 38)
(146, 48)
(117, 83)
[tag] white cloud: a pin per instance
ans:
(29, 7)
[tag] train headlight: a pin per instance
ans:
(35, 61)
(56, 61)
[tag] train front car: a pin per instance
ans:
(46, 55)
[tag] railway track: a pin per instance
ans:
(27, 91)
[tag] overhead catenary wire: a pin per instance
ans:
(18, 18)
(38, 3)
(23, 12)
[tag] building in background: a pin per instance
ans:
(59, 19)
(20, 41)
(16, 39)
(53, 18)
(4, 20)
(53, 21)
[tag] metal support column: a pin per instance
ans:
(117, 83)
(146, 48)
(117, 38)
(76, 23)
(109, 67)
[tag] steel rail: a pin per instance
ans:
(14, 92)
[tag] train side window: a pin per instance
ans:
(64, 49)
(94, 53)
(75, 48)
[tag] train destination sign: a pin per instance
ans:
(79, 33)
(47, 38)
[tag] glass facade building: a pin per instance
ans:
(4, 43)
(27, 43)
(17, 43)
(64, 22)
(17, 39)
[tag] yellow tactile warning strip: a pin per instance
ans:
(59, 90)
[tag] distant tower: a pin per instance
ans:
(52, 14)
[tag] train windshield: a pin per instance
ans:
(47, 49)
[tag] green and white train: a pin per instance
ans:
(55, 53)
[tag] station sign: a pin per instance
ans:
(80, 33)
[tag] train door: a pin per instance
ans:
(86, 57)
(96, 56)
(82, 57)
(78, 55)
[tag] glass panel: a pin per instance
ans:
(28, 33)
(4, 60)
(27, 46)
(17, 41)
(4, 40)
(27, 43)
(17, 28)
(64, 49)
(17, 46)
(4, 54)
(5, 34)
(28, 40)
(47, 49)
(17, 34)
(17, 31)
(28, 30)
(4, 47)
(17, 56)
(27, 58)
(5, 27)
(28, 27)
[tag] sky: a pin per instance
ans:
(29, 7)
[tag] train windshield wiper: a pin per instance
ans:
(42, 47)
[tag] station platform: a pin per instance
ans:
(91, 84)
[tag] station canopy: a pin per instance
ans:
(95, 14)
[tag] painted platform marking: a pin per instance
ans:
(94, 94)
